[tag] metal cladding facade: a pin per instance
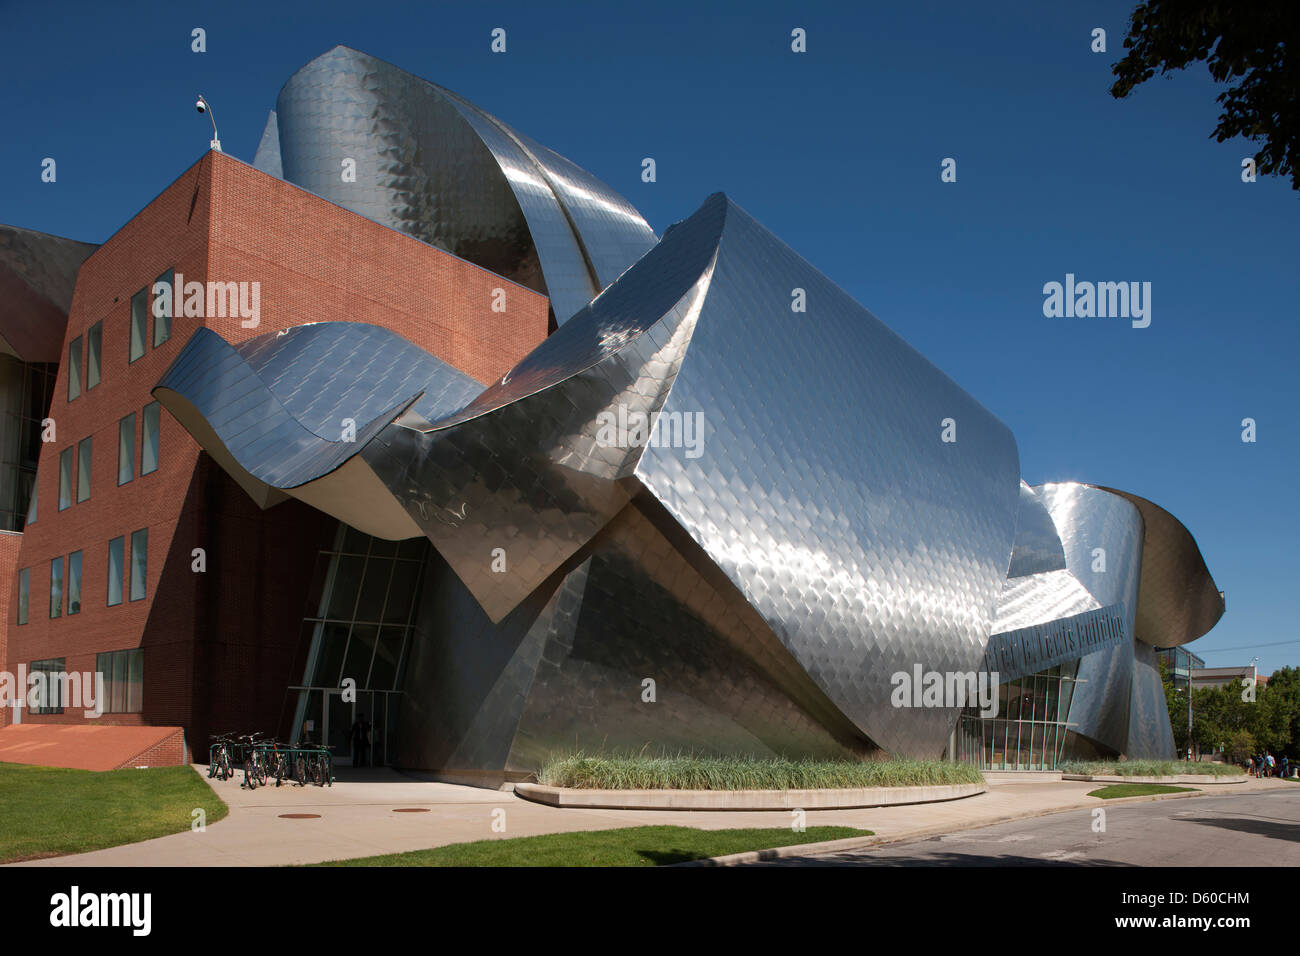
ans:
(695, 516)
(433, 165)
(37, 275)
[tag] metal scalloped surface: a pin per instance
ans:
(824, 491)
(433, 165)
(1088, 518)
(277, 402)
(1150, 736)
(1178, 600)
(1038, 546)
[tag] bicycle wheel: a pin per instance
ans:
(300, 771)
(250, 774)
(224, 770)
(260, 763)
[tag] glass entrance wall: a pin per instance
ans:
(1030, 729)
(360, 633)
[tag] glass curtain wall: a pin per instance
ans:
(1030, 729)
(359, 633)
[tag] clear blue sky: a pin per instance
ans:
(837, 151)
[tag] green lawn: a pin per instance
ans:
(689, 772)
(50, 811)
(633, 846)
(1136, 790)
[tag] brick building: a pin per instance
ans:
(126, 507)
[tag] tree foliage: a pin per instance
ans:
(1252, 45)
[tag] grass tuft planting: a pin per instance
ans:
(685, 772)
(631, 846)
(51, 811)
(1149, 768)
(1116, 790)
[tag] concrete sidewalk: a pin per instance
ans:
(357, 817)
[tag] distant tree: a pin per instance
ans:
(1176, 704)
(1253, 45)
(1284, 690)
(1240, 746)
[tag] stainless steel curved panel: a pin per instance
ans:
(38, 273)
(267, 157)
(1150, 736)
(433, 165)
(1038, 546)
(533, 477)
(278, 403)
(723, 683)
(1178, 600)
(1096, 525)
(824, 489)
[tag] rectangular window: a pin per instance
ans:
(56, 587)
(139, 323)
(74, 582)
(65, 478)
(139, 563)
(94, 351)
(115, 549)
(74, 368)
(123, 680)
(31, 508)
(162, 324)
(24, 592)
(126, 449)
(49, 676)
(149, 438)
(83, 469)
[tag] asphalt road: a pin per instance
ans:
(1259, 829)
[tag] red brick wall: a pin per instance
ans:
(10, 544)
(221, 647)
(170, 752)
(318, 262)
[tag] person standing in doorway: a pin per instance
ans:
(360, 737)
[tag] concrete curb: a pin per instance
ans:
(855, 843)
(847, 799)
(1199, 779)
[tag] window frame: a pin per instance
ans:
(24, 594)
(139, 323)
(68, 583)
(129, 457)
(56, 594)
(169, 277)
(120, 541)
(95, 348)
(46, 707)
(85, 459)
(154, 410)
(118, 696)
(75, 354)
(65, 478)
(143, 577)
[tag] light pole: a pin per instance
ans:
(203, 107)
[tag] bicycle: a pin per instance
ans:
(315, 762)
(254, 766)
(219, 759)
(279, 762)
